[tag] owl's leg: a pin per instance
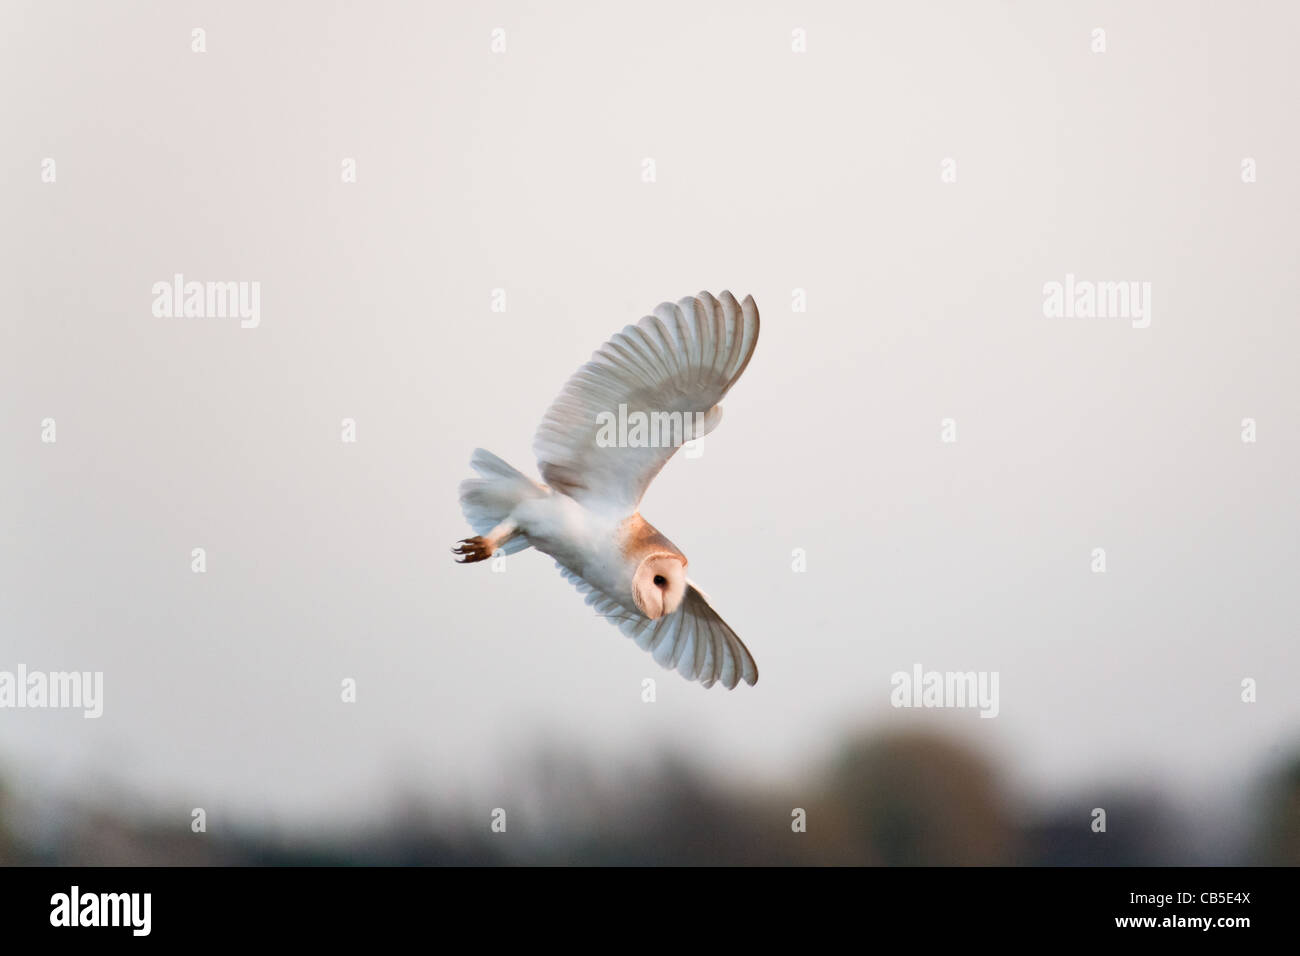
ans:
(483, 546)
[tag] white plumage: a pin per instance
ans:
(680, 362)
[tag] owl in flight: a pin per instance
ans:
(673, 366)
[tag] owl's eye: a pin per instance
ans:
(660, 580)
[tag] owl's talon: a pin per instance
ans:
(473, 549)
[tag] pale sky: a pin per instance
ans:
(522, 170)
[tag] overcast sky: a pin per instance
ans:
(524, 170)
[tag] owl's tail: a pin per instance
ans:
(490, 499)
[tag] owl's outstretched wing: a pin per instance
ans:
(694, 640)
(669, 371)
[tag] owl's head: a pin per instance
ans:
(659, 584)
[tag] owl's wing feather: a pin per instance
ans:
(665, 371)
(694, 640)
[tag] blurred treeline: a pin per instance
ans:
(895, 800)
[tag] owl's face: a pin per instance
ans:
(659, 585)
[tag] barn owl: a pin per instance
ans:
(671, 368)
